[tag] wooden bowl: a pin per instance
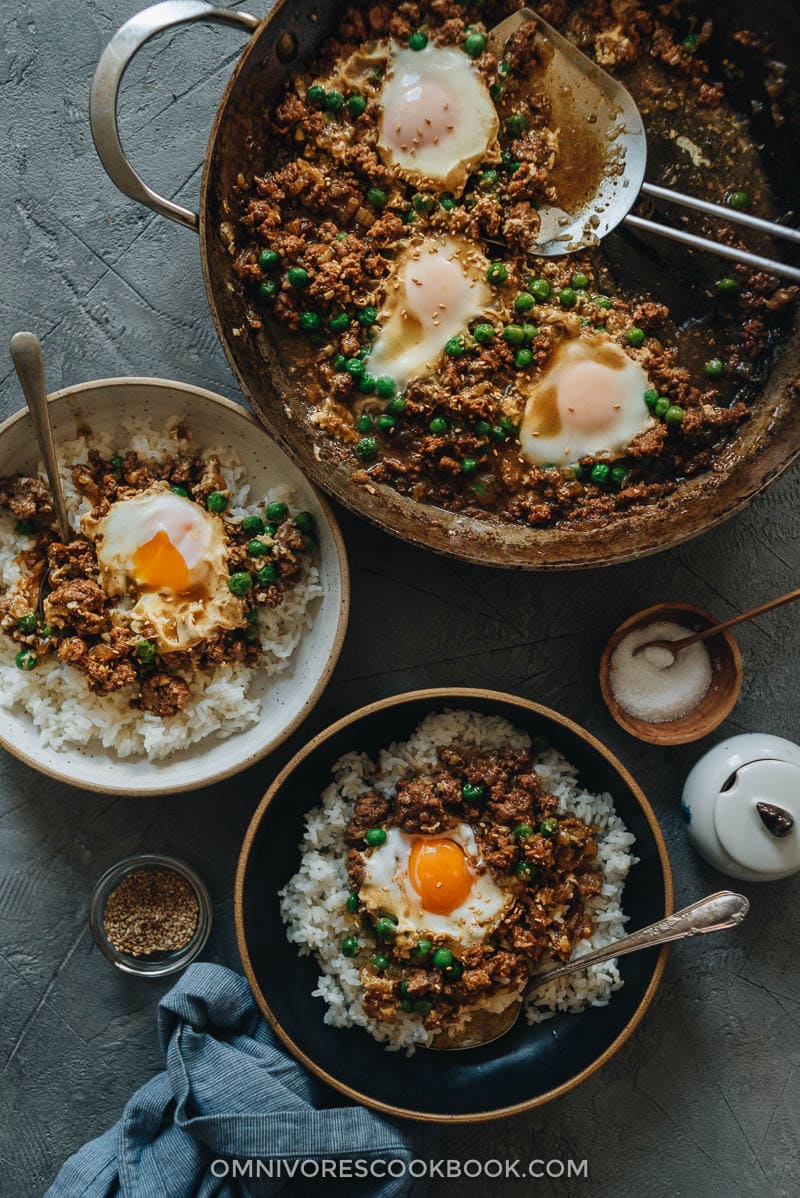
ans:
(715, 706)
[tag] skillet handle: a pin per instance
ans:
(111, 68)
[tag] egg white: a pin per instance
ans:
(589, 401)
(438, 121)
(387, 889)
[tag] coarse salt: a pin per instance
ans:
(651, 685)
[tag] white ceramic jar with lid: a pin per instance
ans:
(741, 804)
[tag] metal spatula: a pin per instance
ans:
(591, 105)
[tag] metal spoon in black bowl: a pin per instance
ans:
(712, 914)
(26, 353)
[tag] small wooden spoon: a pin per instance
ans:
(26, 353)
(675, 647)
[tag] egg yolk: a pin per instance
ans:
(422, 118)
(439, 873)
(159, 566)
(591, 394)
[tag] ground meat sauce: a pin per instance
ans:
(84, 627)
(452, 438)
(546, 863)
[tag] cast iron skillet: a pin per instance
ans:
(525, 1068)
(289, 35)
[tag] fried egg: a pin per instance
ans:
(437, 286)
(169, 555)
(589, 401)
(434, 884)
(438, 120)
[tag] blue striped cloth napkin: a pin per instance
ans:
(231, 1094)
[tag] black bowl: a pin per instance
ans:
(526, 1067)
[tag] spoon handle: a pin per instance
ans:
(26, 353)
(712, 914)
(705, 633)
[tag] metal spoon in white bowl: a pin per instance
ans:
(26, 353)
(712, 914)
(596, 114)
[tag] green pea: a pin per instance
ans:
(268, 289)
(497, 273)
(356, 106)
(635, 337)
(661, 407)
(46, 632)
(418, 40)
(453, 971)
(600, 473)
(387, 423)
(442, 958)
(217, 502)
(496, 90)
(339, 323)
(27, 623)
(366, 384)
(277, 511)
(365, 423)
(252, 616)
(674, 415)
(350, 946)
(377, 197)
(267, 575)
(252, 525)
(475, 44)
(482, 428)
(271, 530)
(523, 359)
(549, 826)
(310, 322)
(367, 448)
(145, 651)
(438, 425)
(504, 68)
(523, 831)
(297, 277)
(406, 1005)
(530, 331)
(368, 316)
(334, 101)
(468, 465)
(116, 464)
(516, 124)
(269, 259)
(422, 1006)
(422, 948)
(380, 962)
(577, 471)
(396, 406)
(353, 902)
(256, 548)
(385, 387)
(715, 368)
(651, 398)
(340, 364)
(24, 528)
(424, 201)
(375, 837)
(402, 987)
(498, 434)
(386, 928)
(567, 297)
(240, 582)
(341, 236)
(726, 287)
(691, 42)
(580, 281)
(618, 475)
(316, 93)
(739, 200)
(483, 334)
(455, 347)
(601, 301)
(355, 367)
(472, 792)
(514, 334)
(524, 302)
(524, 871)
(448, 201)
(489, 178)
(539, 289)
(25, 660)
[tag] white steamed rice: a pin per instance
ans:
(313, 902)
(57, 697)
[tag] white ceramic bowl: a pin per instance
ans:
(285, 698)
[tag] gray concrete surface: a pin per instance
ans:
(703, 1099)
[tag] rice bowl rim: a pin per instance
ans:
(443, 694)
(237, 411)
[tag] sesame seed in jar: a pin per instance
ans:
(151, 911)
